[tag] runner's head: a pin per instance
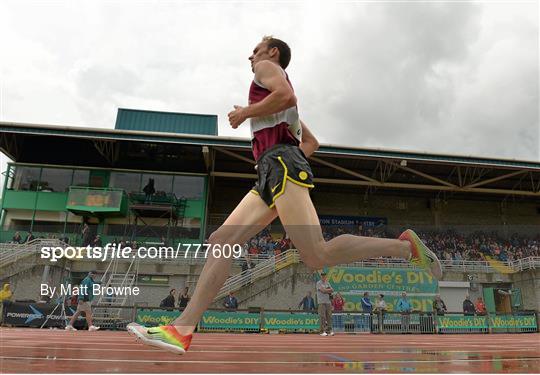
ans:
(271, 49)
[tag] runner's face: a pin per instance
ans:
(260, 53)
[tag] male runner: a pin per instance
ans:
(281, 144)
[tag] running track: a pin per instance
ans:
(38, 351)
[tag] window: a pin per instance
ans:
(53, 179)
(162, 183)
(130, 182)
(188, 187)
(26, 178)
(19, 225)
(81, 178)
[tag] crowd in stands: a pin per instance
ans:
(264, 245)
(449, 245)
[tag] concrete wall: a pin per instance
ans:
(529, 283)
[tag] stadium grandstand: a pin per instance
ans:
(168, 179)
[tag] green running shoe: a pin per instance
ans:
(421, 255)
(163, 337)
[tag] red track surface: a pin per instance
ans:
(33, 350)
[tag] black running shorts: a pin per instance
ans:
(278, 165)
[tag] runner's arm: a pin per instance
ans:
(281, 95)
(309, 143)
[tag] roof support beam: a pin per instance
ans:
(393, 185)
(107, 149)
(344, 170)
(495, 179)
(235, 155)
(9, 146)
(414, 171)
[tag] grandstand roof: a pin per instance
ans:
(230, 157)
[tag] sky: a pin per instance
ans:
(454, 77)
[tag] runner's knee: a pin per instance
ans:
(313, 259)
(221, 236)
(316, 258)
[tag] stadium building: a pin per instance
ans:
(61, 177)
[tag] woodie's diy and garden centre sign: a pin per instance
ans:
(356, 279)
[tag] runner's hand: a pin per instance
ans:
(237, 117)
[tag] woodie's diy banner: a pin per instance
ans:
(155, 317)
(459, 321)
(224, 320)
(290, 321)
(359, 280)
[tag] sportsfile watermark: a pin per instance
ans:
(112, 251)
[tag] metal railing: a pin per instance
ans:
(11, 253)
(428, 322)
(260, 270)
(455, 265)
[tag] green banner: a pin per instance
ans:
(457, 322)
(152, 318)
(230, 320)
(290, 321)
(418, 303)
(356, 279)
(513, 321)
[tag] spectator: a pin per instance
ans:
(164, 242)
(230, 302)
(307, 303)
(149, 190)
(97, 241)
(29, 237)
(338, 302)
(380, 304)
(367, 307)
(84, 303)
(184, 298)
(169, 301)
(324, 291)
(17, 238)
(380, 310)
(404, 307)
(5, 293)
(468, 306)
(439, 306)
(480, 306)
(85, 233)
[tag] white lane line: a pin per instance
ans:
(428, 347)
(262, 362)
(415, 351)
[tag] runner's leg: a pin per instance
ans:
(248, 218)
(298, 216)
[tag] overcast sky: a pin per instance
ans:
(446, 77)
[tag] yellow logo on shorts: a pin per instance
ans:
(303, 175)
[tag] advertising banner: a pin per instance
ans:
(234, 321)
(344, 221)
(290, 321)
(460, 322)
(513, 321)
(23, 314)
(156, 317)
(359, 280)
